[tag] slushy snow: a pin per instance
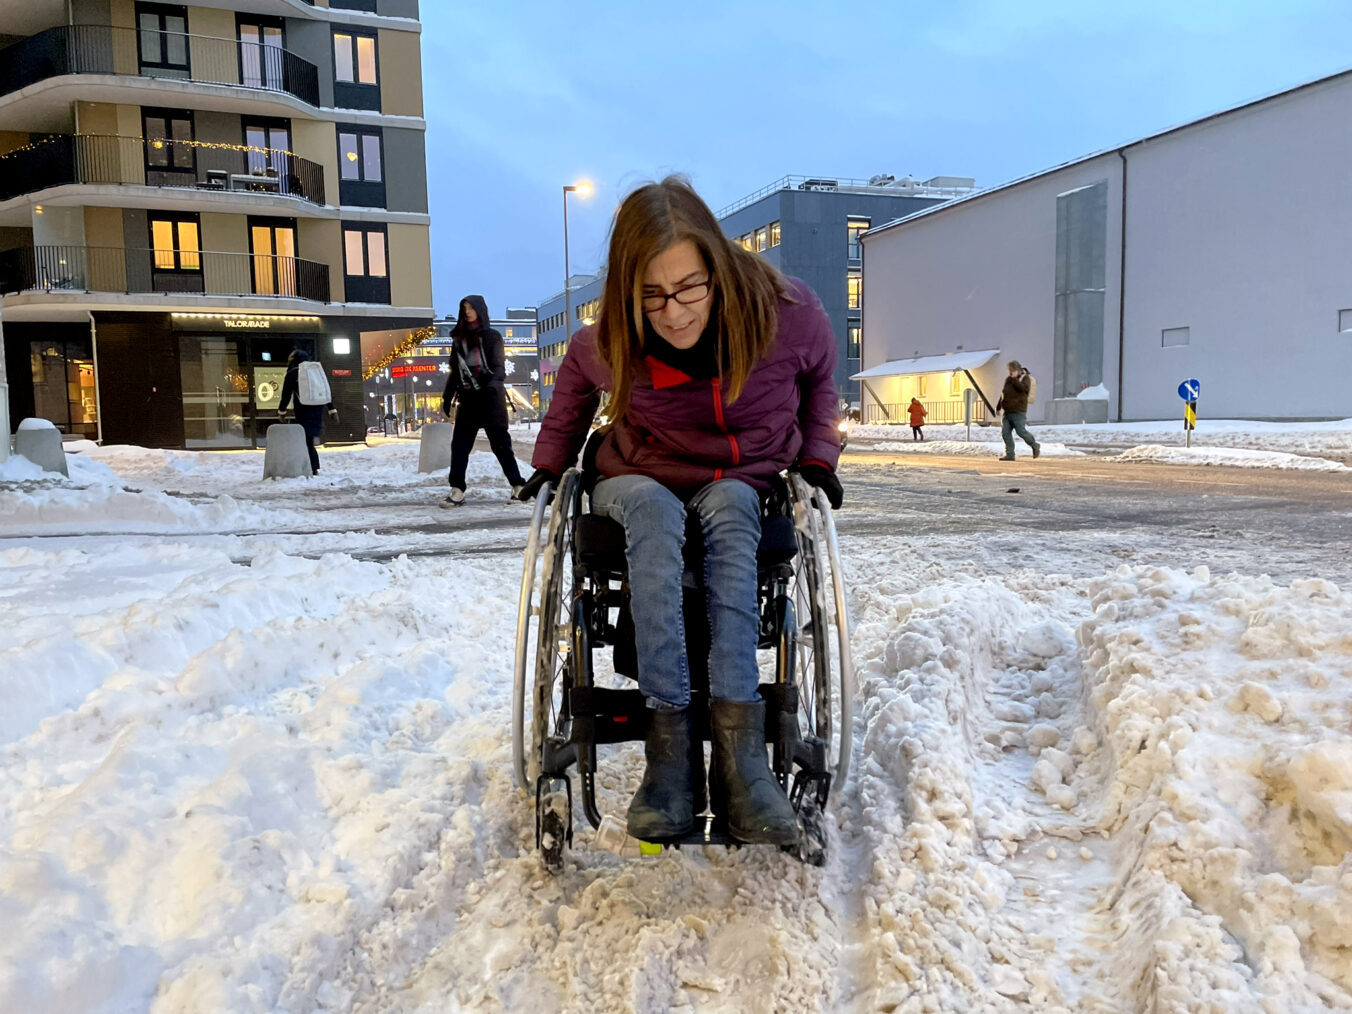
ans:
(238, 778)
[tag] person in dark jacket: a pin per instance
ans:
(478, 382)
(311, 417)
(1014, 403)
(720, 373)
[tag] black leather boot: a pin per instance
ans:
(742, 786)
(664, 805)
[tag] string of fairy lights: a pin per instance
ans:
(414, 339)
(154, 142)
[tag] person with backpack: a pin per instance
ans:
(478, 382)
(1014, 399)
(918, 413)
(306, 383)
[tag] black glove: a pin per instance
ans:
(531, 489)
(825, 480)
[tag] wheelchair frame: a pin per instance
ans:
(809, 706)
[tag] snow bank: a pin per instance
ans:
(1234, 457)
(976, 448)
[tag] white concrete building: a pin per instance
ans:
(1233, 268)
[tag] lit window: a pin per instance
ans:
(354, 58)
(852, 332)
(856, 227)
(176, 244)
(920, 384)
(855, 291)
(955, 384)
(774, 234)
(762, 239)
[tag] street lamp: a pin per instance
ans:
(583, 189)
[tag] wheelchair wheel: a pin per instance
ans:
(544, 622)
(554, 637)
(825, 667)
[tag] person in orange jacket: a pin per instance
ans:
(918, 413)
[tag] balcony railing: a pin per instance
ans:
(201, 272)
(200, 165)
(102, 49)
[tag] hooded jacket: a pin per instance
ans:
(918, 413)
(477, 359)
(682, 432)
(1014, 396)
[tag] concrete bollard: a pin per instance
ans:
(286, 456)
(434, 449)
(40, 442)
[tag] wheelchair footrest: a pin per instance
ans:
(708, 830)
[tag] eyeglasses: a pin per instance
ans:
(686, 295)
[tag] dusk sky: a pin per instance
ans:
(523, 97)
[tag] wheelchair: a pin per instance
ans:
(574, 604)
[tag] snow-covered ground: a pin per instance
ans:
(1319, 445)
(243, 769)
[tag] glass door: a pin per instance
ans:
(273, 246)
(260, 53)
(216, 392)
(268, 155)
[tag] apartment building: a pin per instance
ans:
(188, 193)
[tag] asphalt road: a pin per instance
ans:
(1284, 523)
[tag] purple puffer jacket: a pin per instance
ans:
(682, 433)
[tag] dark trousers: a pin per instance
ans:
(916, 434)
(314, 455)
(468, 422)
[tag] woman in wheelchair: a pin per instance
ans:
(720, 375)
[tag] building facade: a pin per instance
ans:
(810, 228)
(584, 298)
(1212, 251)
(187, 193)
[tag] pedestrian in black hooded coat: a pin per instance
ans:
(311, 417)
(478, 382)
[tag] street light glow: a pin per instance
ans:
(582, 188)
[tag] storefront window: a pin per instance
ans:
(63, 386)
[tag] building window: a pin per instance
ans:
(1345, 320)
(920, 385)
(1172, 337)
(354, 58)
(774, 234)
(272, 244)
(748, 242)
(176, 242)
(955, 384)
(856, 227)
(361, 167)
(260, 52)
(366, 264)
(852, 335)
(269, 143)
(170, 154)
(762, 239)
(1081, 278)
(854, 289)
(162, 40)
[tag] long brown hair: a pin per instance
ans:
(746, 289)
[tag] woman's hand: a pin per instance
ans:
(824, 479)
(532, 486)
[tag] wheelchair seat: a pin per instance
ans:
(599, 542)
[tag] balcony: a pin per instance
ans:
(131, 161)
(161, 272)
(102, 49)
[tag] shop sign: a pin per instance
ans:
(404, 371)
(341, 373)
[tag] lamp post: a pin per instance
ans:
(583, 190)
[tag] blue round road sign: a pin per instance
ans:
(1189, 390)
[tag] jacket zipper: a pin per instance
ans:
(717, 388)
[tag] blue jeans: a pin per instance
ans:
(1016, 422)
(654, 527)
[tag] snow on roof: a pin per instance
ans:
(929, 364)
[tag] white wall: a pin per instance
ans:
(981, 275)
(1240, 229)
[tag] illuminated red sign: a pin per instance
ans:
(341, 373)
(404, 371)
